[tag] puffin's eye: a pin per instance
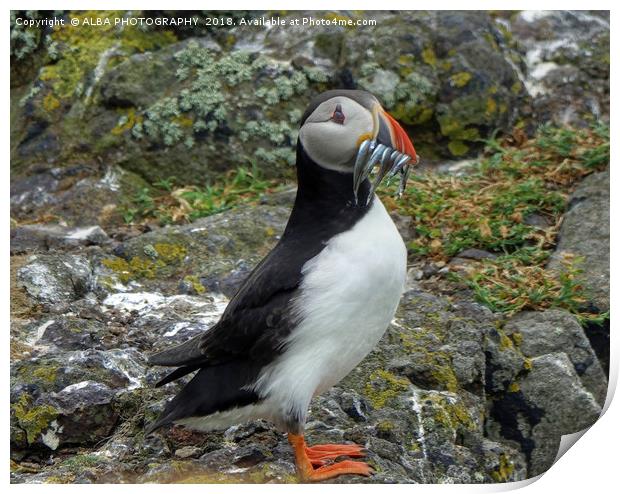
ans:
(338, 115)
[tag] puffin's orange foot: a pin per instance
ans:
(345, 467)
(308, 457)
(321, 452)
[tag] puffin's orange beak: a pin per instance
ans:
(399, 138)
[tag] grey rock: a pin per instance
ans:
(267, 75)
(554, 386)
(585, 233)
(56, 278)
(476, 254)
(503, 361)
(548, 402)
(555, 331)
(217, 252)
(188, 452)
(85, 414)
(423, 402)
(37, 238)
(566, 64)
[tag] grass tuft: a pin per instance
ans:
(511, 205)
(166, 203)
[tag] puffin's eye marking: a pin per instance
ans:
(338, 116)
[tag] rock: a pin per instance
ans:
(567, 60)
(56, 278)
(557, 331)
(585, 233)
(476, 254)
(213, 253)
(433, 402)
(188, 452)
(80, 413)
(404, 224)
(548, 402)
(219, 100)
(78, 197)
(504, 361)
(37, 238)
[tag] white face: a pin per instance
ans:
(331, 144)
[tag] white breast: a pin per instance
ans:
(349, 294)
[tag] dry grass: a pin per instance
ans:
(511, 204)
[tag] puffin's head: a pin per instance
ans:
(348, 131)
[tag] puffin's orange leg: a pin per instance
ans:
(308, 473)
(320, 453)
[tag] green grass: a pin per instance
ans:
(168, 203)
(494, 208)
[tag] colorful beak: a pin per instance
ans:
(398, 137)
(391, 149)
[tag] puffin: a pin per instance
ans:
(319, 302)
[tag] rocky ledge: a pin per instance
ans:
(453, 392)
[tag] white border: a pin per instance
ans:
(588, 467)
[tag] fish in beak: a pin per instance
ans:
(389, 148)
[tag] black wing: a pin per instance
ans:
(256, 321)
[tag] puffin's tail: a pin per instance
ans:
(212, 389)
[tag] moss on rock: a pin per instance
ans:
(33, 419)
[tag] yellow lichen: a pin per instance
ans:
(127, 122)
(517, 338)
(195, 283)
(170, 252)
(451, 413)
(142, 267)
(50, 102)
(491, 106)
(384, 386)
(460, 79)
(429, 56)
(505, 469)
(33, 420)
(46, 373)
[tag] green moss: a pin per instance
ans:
(384, 387)
(384, 427)
(79, 462)
(458, 148)
(460, 79)
(34, 420)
